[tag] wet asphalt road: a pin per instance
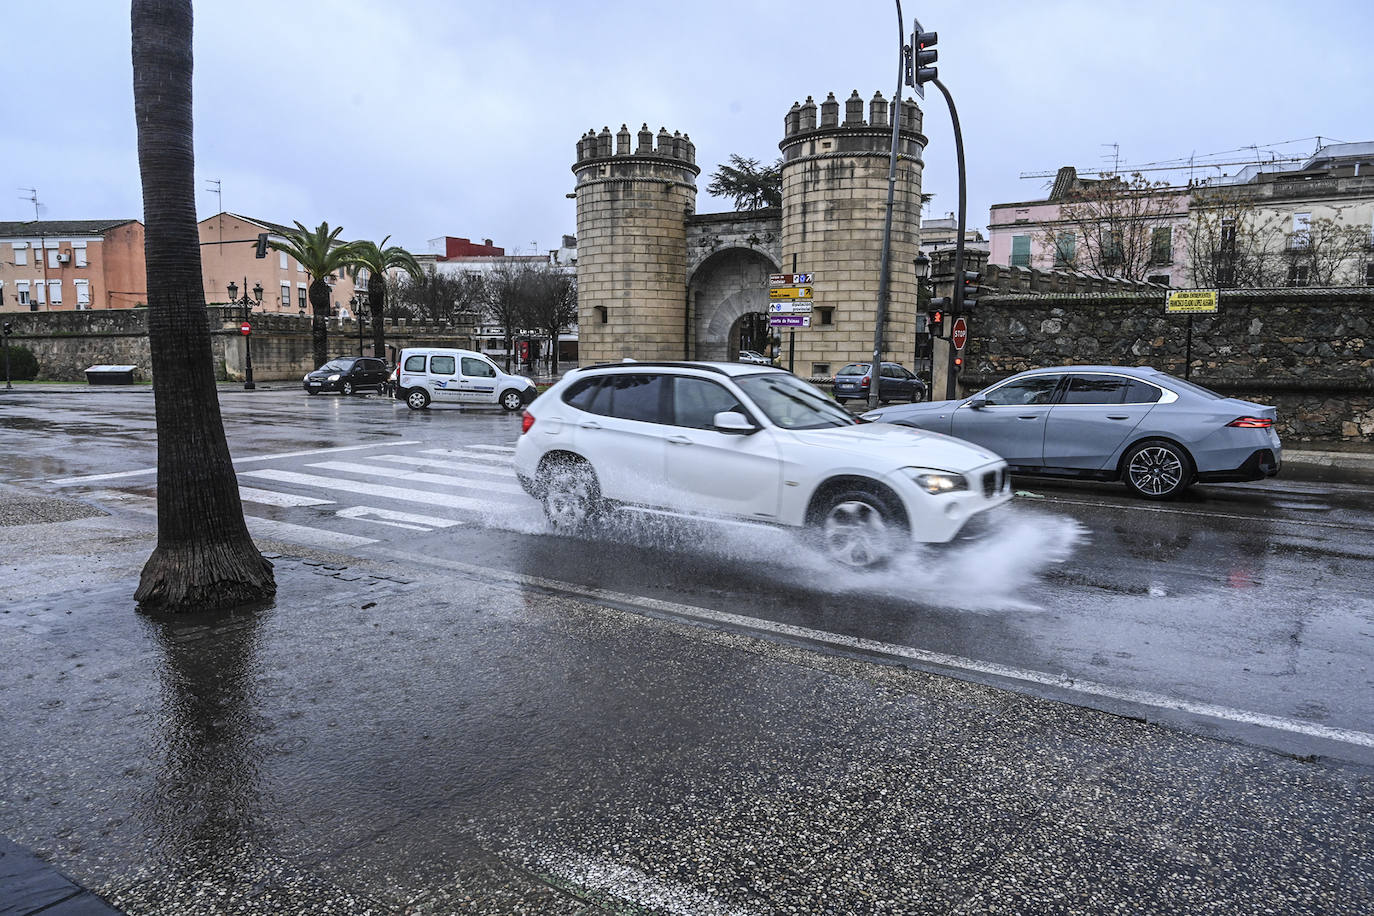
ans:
(1242, 612)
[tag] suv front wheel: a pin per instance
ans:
(858, 526)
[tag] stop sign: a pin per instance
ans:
(245, 329)
(959, 335)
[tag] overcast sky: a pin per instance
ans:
(421, 118)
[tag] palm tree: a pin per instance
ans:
(204, 559)
(321, 254)
(377, 260)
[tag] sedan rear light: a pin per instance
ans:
(864, 383)
(526, 421)
(1252, 423)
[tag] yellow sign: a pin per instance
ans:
(1191, 302)
(790, 292)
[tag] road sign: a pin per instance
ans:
(788, 279)
(1191, 302)
(789, 321)
(245, 329)
(959, 335)
(790, 292)
(800, 307)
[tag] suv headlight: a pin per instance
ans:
(935, 482)
(334, 377)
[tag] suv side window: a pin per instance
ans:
(582, 394)
(415, 363)
(441, 365)
(696, 402)
(477, 368)
(638, 397)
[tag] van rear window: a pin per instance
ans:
(415, 363)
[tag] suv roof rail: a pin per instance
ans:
(666, 363)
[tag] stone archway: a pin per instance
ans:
(726, 286)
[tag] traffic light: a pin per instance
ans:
(924, 53)
(958, 363)
(262, 245)
(971, 289)
(937, 323)
(8, 329)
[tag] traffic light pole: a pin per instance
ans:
(958, 295)
(875, 372)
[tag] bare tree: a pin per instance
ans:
(437, 296)
(1114, 228)
(508, 302)
(1324, 249)
(1232, 245)
(551, 296)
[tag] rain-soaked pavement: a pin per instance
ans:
(1097, 706)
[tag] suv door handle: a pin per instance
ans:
(590, 424)
(679, 440)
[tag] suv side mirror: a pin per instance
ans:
(732, 421)
(977, 402)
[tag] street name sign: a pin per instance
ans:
(789, 279)
(802, 307)
(1191, 302)
(959, 335)
(790, 292)
(789, 321)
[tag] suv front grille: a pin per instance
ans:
(993, 482)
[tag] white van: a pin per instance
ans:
(443, 376)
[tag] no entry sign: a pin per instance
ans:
(959, 335)
(245, 329)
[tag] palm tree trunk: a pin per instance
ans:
(376, 302)
(319, 322)
(204, 559)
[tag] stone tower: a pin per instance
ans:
(632, 207)
(834, 197)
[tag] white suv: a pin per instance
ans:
(741, 441)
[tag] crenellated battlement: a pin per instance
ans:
(677, 146)
(802, 119)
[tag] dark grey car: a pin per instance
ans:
(347, 375)
(1156, 433)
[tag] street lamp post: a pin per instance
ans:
(921, 264)
(356, 303)
(245, 307)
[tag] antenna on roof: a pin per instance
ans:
(33, 196)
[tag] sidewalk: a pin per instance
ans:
(393, 738)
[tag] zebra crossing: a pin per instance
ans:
(342, 502)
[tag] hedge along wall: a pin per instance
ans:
(1308, 352)
(67, 343)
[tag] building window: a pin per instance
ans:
(285, 296)
(1020, 251)
(40, 293)
(602, 313)
(300, 295)
(1297, 274)
(55, 292)
(22, 288)
(1112, 250)
(1161, 279)
(1162, 245)
(300, 268)
(79, 250)
(1302, 232)
(825, 316)
(283, 260)
(820, 369)
(1369, 274)
(52, 257)
(1065, 249)
(21, 254)
(83, 294)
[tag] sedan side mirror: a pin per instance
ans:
(732, 421)
(976, 402)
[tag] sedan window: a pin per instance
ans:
(1035, 389)
(1096, 389)
(697, 401)
(1142, 393)
(793, 404)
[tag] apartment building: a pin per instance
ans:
(70, 265)
(228, 254)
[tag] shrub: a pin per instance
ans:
(23, 364)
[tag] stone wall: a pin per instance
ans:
(66, 343)
(1309, 352)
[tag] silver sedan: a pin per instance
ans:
(1156, 433)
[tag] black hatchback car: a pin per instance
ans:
(347, 375)
(898, 383)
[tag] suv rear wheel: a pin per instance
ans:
(571, 495)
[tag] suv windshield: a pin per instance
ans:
(793, 404)
(338, 365)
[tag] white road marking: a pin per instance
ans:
(396, 519)
(373, 470)
(91, 478)
(510, 449)
(421, 462)
(273, 498)
(382, 491)
(633, 886)
(468, 455)
(874, 647)
(300, 534)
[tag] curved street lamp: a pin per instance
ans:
(245, 308)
